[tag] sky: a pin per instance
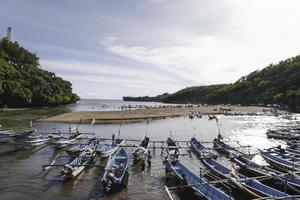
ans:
(114, 48)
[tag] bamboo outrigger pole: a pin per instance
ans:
(168, 192)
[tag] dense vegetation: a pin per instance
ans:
(157, 98)
(275, 84)
(23, 83)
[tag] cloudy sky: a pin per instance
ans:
(112, 48)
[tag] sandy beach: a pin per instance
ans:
(106, 117)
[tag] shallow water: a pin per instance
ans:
(21, 175)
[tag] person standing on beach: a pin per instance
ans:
(143, 166)
(149, 157)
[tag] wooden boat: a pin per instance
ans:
(199, 185)
(249, 185)
(74, 168)
(199, 148)
(106, 150)
(173, 149)
(116, 172)
(141, 151)
(281, 161)
(291, 180)
(75, 150)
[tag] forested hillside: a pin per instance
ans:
(277, 83)
(23, 83)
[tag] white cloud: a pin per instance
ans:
(259, 33)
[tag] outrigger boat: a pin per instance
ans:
(63, 142)
(200, 149)
(141, 151)
(290, 179)
(199, 185)
(116, 172)
(106, 150)
(173, 149)
(250, 185)
(281, 161)
(78, 164)
(75, 150)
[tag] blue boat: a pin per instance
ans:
(250, 185)
(200, 149)
(281, 161)
(116, 172)
(291, 180)
(200, 186)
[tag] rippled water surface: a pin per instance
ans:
(21, 175)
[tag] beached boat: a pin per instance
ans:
(199, 185)
(249, 185)
(141, 151)
(116, 172)
(105, 150)
(75, 150)
(281, 161)
(173, 148)
(75, 167)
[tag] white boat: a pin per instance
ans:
(38, 141)
(141, 151)
(64, 142)
(74, 168)
(75, 150)
(106, 150)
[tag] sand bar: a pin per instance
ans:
(105, 117)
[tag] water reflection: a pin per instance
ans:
(21, 175)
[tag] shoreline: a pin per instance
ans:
(140, 115)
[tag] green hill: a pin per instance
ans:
(24, 84)
(275, 84)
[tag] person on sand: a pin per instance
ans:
(113, 137)
(149, 157)
(143, 166)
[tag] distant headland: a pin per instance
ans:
(277, 84)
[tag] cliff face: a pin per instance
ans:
(24, 84)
